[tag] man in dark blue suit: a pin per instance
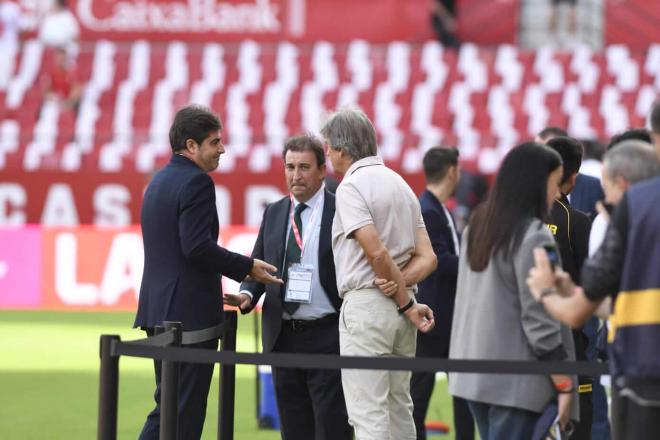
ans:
(183, 263)
(442, 173)
(586, 193)
(295, 236)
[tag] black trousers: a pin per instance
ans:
(310, 402)
(194, 384)
(634, 420)
(421, 388)
(583, 427)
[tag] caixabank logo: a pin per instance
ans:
(185, 20)
(257, 16)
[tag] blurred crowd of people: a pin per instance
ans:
(59, 32)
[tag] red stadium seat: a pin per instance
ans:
(388, 89)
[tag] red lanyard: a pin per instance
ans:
(310, 222)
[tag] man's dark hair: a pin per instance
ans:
(192, 122)
(437, 162)
(570, 151)
(305, 142)
(551, 132)
(593, 149)
(655, 118)
(639, 134)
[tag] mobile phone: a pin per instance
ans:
(553, 255)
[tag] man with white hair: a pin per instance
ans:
(624, 165)
(379, 241)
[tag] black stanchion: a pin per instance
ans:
(168, 348)
(227, 382)
(108, 390)
(256, 367)
(169, 389)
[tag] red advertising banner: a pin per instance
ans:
(632, 22)
(20, 267)
(114, 199)
(277, 20)
(84, 268)
(488, 21)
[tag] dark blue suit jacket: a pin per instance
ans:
(586, 193)
(438, 291)
(270, 247)
(183, 263)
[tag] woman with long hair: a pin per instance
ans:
(495, 315)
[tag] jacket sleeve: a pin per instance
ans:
(601, 274)
(542, 331)
(198, 243)
(436, 225)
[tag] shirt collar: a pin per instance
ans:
(180, 158)
(312, 200)
(364, 162)
(433, 198)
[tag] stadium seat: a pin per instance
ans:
(481, 99)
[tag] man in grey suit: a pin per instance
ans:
(301, 317)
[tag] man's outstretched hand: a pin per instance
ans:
(262, 272)
(421, 316)
(241, 300)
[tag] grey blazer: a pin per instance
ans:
(496, 318)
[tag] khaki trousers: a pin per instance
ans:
(378, 401)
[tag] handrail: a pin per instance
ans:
(112, 348)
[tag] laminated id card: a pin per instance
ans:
(299, 283)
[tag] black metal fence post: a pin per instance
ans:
(169, 389)
(108, 390)
(227, 382)
(257, 386)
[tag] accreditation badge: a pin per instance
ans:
(299, 283)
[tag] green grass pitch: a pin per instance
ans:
(49, 367)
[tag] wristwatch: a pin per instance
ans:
(405, 308)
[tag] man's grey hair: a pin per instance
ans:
(349, 129)
(633, 160)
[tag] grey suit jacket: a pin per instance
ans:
(497, 318)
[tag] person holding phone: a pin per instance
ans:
(496, 316)
(625, 269)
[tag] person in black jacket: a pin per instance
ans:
(183, 264)
(571, 227)
(442, 173)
